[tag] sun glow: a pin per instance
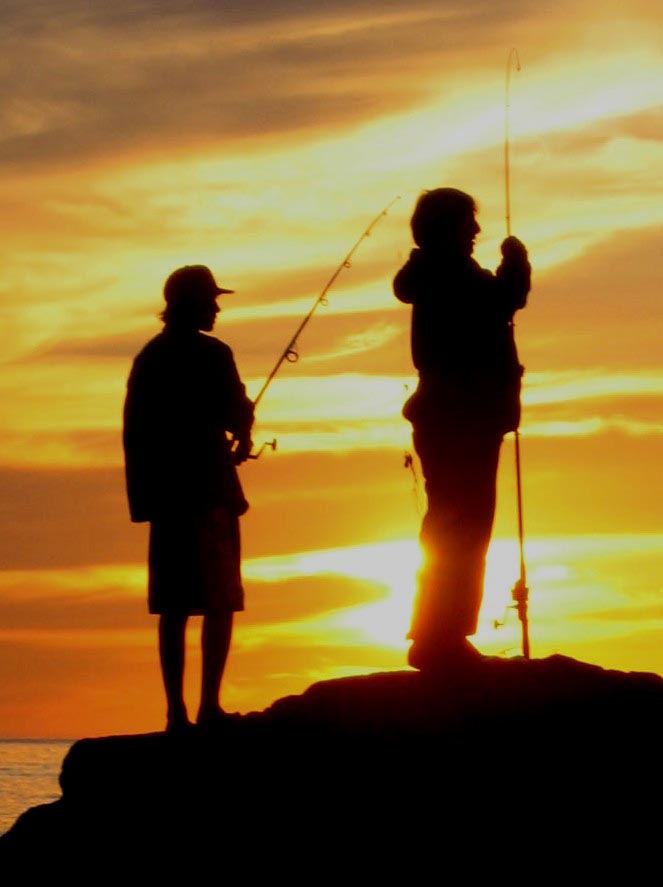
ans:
(393, 565)
(389, 563)
(573, 581)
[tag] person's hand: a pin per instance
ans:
(512, 248)
(243, 450)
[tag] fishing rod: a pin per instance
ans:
(513, 58)
(290, 353)
(520, 591)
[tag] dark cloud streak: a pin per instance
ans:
(29, 605)
(335, 343)
(611, 294)
(65, 518)
(102, 81)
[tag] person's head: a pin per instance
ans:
(191, 293)
(445, 218)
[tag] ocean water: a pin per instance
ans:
(29, 771)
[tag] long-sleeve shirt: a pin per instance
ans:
(462, 330)
(184, 396)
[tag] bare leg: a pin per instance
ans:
(172, 632)
(215, 638)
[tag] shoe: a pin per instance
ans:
(443, 657)
(213, 719)
(178, 726)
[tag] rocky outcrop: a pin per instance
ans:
(374, 774)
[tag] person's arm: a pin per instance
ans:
(137, 462)
(239, 410)
(407, 282)
(241, 429)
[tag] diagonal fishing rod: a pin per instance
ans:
(520, 591)
(290, 352)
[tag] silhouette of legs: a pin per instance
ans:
(216, 635)
(172, 631)
(460, 472)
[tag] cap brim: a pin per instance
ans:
(220, 291)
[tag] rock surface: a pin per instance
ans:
(373, 774)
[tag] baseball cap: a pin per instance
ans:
(192, 280)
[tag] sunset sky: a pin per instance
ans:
(262, 138)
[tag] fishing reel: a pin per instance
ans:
(269, 443)
(519, 595)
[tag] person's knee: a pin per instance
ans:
(217, 622)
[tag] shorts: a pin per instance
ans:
(194, 564)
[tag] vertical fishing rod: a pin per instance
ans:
(520, 591)
(513, 57)
(290, 352)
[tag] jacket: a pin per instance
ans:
(462, 338)
(184, 398)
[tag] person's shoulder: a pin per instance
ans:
(156, 343)
(146, 364)
(216, 355)
(150, 350)
(215, 347)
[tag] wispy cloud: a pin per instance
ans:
(147, 74)
(600, 383)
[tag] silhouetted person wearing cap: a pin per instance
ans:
(184, 407)
(467, 399)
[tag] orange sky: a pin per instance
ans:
(261, 139)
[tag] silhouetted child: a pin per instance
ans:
(185, 403)
(467, 399)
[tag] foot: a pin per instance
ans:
(177, 718)
(178, 725)
(209, 718)
(448, 655)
